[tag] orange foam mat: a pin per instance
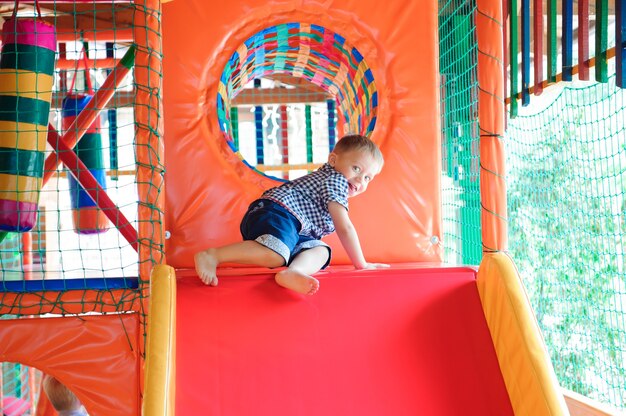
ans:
(400, 341)
(95, 356)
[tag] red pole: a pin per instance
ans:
(284, 138)
(78, 169)
(491, 121)
(538, 52)
(583, 39)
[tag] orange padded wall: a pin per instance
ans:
(208, 187)
(95, 356)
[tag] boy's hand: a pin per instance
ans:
(375, 266)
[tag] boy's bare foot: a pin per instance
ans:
(296, 281)
(206, 266)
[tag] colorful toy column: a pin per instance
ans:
(26, 77)
(88, 218)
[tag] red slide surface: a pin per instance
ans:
(400, 341)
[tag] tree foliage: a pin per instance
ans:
(566, 226)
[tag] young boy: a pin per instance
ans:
(285, 226)
(62, 398)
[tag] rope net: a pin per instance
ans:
(458, 51)
(71, 202)
(567, 211)
(566, 180)
(70, 239)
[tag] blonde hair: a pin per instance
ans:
(60, 396)
(358, 142)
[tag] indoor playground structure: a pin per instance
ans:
(135, 134)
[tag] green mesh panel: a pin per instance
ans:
(460, 136)
(39, 273)
(19, 388)
(60, 254)
(567, 208)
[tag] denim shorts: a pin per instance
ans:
(272, 225)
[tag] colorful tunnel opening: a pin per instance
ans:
(322, 64)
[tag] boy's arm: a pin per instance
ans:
(349, 237)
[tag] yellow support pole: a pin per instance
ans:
(160, 370)
(524, 359)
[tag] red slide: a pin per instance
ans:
(393, 342)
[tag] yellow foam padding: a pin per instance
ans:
(524, 361)
(25, 136)
(26, 84)
(160, 371)
(19, 188)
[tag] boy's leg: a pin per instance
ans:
(298, 277)
(245, 252)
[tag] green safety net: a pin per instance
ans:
(19, 390)
(458, 51)
(70, 239)
(73, 258)
(566, 179)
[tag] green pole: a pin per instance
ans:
(602, 23)
(309, 133)
(234, 123)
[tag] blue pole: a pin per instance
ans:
(567, 38)
(332, 131)
(112, 117)
(258, 124)
(620, 45)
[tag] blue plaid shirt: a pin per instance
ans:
(307, 199)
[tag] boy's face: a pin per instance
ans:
(358, 166)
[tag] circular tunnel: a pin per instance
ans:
(310, 52)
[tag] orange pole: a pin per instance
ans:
(149, 148)
(32, 387)
(491, 121)
(27, 262)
